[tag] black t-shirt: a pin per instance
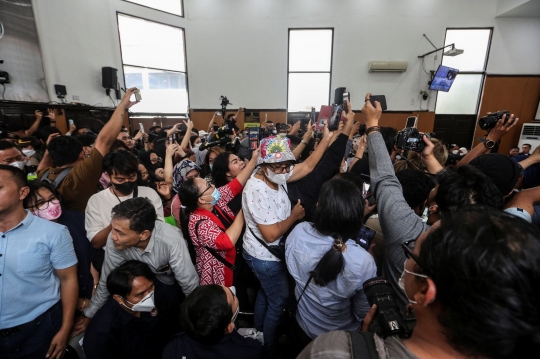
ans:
(307, 189)
(233, 345)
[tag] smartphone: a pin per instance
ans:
(335, 118)
(254, 137)
(365, 238)
(313, 115)
(141, 127)
(324, 115)
(371, 199)
(365, 190)
(411, 121)
(71, 123)
(381, 99)
(346, 96)
(138, 96)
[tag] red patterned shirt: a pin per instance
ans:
(211, 233)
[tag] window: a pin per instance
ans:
(171, 6)
(309, 68)
(463, 97)
(154, 61)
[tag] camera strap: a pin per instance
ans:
(363, 345)
(225, 262)
(305, 287)
(274, 249)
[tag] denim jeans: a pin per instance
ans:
(34, 341)
(271, 298)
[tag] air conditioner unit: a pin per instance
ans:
(530, 133)
(388, 66)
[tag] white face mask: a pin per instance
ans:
(28, 153)
(401, 281)
(145, 305)
(278, 178)
(455, 152)
(19, 164)
(197, 145)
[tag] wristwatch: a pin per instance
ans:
(304, 142)
(489, 144)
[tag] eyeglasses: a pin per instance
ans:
(207, 188)
(155, 160)
(408, 252)
(42, 205)
(281, 169)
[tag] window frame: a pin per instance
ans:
(310, 72)
(154, 68)
(483, 72)
(163, 11)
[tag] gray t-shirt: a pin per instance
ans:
(337, 345)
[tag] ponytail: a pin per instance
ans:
(331, 264)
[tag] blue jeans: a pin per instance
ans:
(271, 298)
(34, 341)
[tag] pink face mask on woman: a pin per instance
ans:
(50, 213)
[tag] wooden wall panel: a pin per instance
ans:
(517, 94)
(201, 118)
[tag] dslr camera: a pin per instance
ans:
(489, 121)
(410, 139)
(389, 319)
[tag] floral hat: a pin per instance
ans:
(276, 149)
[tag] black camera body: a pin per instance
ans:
(409, 139)
(389, 319)
(489, 121)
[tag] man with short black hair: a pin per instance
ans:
(525, 149)
(207, 316)
(121, 170)
(12, 155)
(38, 276)
(65, 156)
(138, 318)
(514, 151)
(136, 234)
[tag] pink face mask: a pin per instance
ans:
(52, 212)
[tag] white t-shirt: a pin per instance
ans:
(263, 205)
(99, 207)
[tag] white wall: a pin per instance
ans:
(238, 48)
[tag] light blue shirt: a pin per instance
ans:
(29, 254)
(342, 304)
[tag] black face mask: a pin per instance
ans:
(125, 188)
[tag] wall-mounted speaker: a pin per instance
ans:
(109, 77)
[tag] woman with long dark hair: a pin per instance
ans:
(327, 264)
(226, 167)
(212, 226)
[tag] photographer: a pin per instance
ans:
(328, 266)
(211, 225)
(482, 255)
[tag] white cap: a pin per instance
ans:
(203, 133)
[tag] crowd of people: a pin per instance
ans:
(152, 245)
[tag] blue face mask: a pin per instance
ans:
(216, 194)
(211, 166)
